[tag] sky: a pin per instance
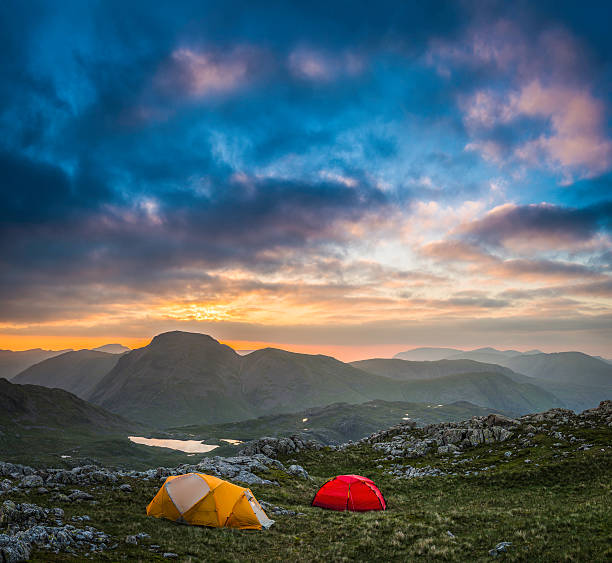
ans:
(349, 178)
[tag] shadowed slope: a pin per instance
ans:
(78, 372)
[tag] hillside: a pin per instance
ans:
(185, 378)
(78, 372)
(494, 390)
(276, 380)
(12, 363)
(42, 425)
(406, 370)
(573, 368)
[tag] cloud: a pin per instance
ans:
(318, 66)
(203, 73)
(539, 226)
(546, 114)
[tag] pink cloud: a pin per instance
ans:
(318, 66)
(201, 73)
(549, 82)
(577, 140)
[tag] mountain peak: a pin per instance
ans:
(112, 349)
(176, 336)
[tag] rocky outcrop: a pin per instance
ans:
(404, 440)
(272, 447)
(25, 525)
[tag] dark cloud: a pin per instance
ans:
(546, 222)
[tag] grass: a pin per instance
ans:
(552, 509)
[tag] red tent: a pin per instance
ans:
(350, 492)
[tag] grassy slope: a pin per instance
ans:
(553, 509)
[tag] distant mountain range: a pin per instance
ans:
(11, 363)
(78, 372)
(188, 378)
(480, 355)
(579, 380)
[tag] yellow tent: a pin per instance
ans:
(204, 500)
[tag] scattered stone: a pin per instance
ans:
(125, 488)
(409, 472)
(501, 547)
(298, 471)
(278, 510)
(170, 555)
(79, 495)
(450, 534)
(131, 540)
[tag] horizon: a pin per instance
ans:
(353, 180)
(346, 354)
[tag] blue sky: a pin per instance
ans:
(352, 177)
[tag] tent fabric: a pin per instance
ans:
(205, 500)
(350, 492)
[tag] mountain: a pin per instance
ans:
(579, 380)
(406, 370)
(77, 372)
(178, 378)
(112, 349)
(493, 390)
(185, 378)
(12, 363)
(564, 367)
(277, 380)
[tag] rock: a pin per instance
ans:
(170, 555)
(507, 454)
(298, 471)
(142, 536)
(31, 481)
(125, 488)
(272, 447)
(131, 540)
(501, 547)
(450, 534)
(13, 550)
(79, 495)
(409, 472)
